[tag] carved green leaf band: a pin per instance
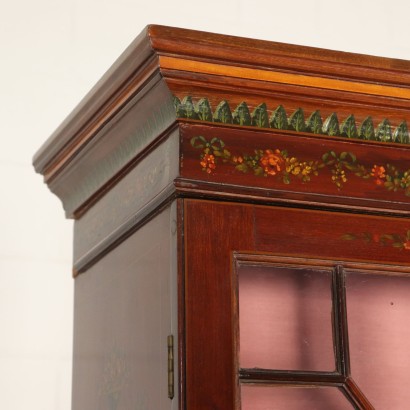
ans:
(278, 119)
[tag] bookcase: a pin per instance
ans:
(242, 232)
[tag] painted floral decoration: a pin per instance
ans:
(393, 239)
(274, 162)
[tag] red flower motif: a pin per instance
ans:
(272, 162)
(406, 245)
(379, 172)
(208, 163)
(376, 237)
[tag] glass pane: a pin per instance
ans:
(285, 319)
(378, 311)
(257, 397)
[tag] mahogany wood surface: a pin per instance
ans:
(249, 52)
(190, 116)
(365, 191)
(106, 93)
(90, 150)
(209, 334)
(215, 232)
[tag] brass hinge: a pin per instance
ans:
(171, 366)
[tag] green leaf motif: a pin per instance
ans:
(383, 132)
(279, 119)
(223, 113)
(331, 125)
(179, 109)
(297, 121)
(348, 237)
(189, 108)
(217, 143)
(314, 123)
(348, 128)
(241, 115)
(325, 157)
(242, 167)
(388, 237)
(260, 116)
(203, 110)
(401, 134)
(177, 102)
(366, 130)
(198, 142)
(352, 157)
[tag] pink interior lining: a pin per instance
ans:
(285, 319)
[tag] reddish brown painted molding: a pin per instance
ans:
(282, 165)
(247, 52)
(165, 61)
(279, 163)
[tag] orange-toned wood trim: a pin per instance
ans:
(173, 63)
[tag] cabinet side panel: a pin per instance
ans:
(124, 306)
(149, 183)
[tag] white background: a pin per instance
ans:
(52, 52)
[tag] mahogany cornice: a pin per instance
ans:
(87, 153)
(103, 102)
(274, 56)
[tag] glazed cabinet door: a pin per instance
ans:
(125, 309)
(295, 309)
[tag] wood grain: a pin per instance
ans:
(217, 67)
(252, 194)
(218, 235)
(212, 232)
(355, 192)
(172, 63)
(203, 46)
